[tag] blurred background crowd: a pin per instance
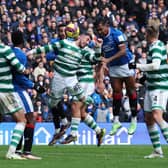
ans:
(39, 20)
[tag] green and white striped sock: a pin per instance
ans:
(16, 136)
(90, 122)
(155, 138)
(164, 128)
(74, 126)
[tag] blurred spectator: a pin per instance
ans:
(45, 113)
(144, 46)
(163, 35)
(38, 110)
(143, 58)
(102, 114)
(44, 39)
(33, 94)
(133, 38)
(143, 14)
(91, 32)
(97, 99)
(39, 84)
(39, 70)
(91, 109)
(141, 33)
(131, 22)
(107, 83)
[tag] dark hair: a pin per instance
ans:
(61, 25)
(103, 21)
(87, 34)
(17, 38)
(152, 30)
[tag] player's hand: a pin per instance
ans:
(98, 42)
(132, 65)
(105, 60)
(26, 72)
(29, 53)
(104, 66)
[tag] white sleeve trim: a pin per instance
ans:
(150, 67)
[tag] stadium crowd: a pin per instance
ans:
(40, 20)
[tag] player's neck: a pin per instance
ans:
(153, 40)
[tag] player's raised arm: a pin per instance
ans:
(94, 54)
(45, 49)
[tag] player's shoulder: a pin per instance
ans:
(88, 49)
(59, 43)
(118, 35)
(66, 42)
(20, 54)
(158, 44)
(5, 47)
(115, 31)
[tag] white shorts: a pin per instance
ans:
(26, 101)
(9, 103)
(120, 71)
(88, 88)
(61, 83)
(156, 99)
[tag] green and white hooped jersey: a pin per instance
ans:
(158, 79)
(68, 58)
(85, 70)
(7, 61)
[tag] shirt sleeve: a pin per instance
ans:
(92, 55)
(13, 60)
(120, 38)
(150, 67)
(46, 49)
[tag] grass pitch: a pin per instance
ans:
(73, 156)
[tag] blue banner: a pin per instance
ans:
(86, 136)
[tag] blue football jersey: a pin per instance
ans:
(20, 81)
(110, 47)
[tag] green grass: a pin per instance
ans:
(71, 156)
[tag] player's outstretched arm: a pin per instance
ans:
(44, 49)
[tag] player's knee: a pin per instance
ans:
(30, 117)
(157, 115)
(20, 116)
(76, 107)
(22, 120)
(83, 116)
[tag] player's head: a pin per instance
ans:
(102, 26)
(72, 31)
(152, 32)
(61, 31)
(84, 40)
(17, 38)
